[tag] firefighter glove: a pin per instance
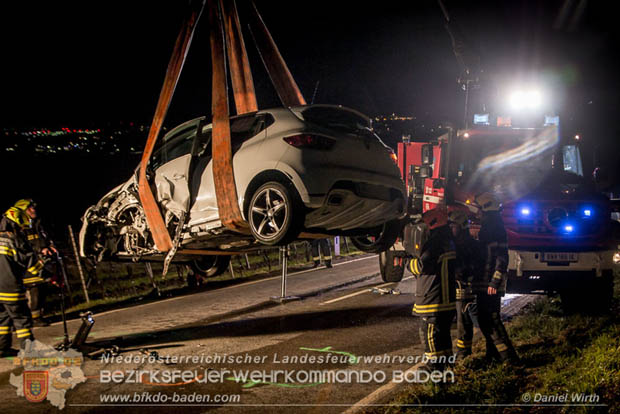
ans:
(497, 280)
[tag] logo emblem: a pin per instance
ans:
(35, 385)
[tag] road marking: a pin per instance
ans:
(217, 290)
(350, 295)
(379, 394)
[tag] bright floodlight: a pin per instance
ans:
(525, 100)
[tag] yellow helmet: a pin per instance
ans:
(18, 216)
(488, 202)
(459, 217)
(24, 203)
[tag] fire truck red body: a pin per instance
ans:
(558, 225)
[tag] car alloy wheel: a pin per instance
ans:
(270, 214)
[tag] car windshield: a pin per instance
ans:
(513, 162)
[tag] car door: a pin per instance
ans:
(247, 133)
(172, 164)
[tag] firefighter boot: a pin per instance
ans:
(8, 352)
(328, 263)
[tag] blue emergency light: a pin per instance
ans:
(525, 211)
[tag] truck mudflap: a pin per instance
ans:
(552, 271)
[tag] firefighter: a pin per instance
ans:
(326, 250)
(468, 259)
(16, 255)
(490, 288)
(44, 247)
(435, 288)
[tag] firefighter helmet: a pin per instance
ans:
(18, 216)
(436, 217)
(458, 217)
(488, 202)
(24, 203)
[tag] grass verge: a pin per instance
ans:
(565, 360)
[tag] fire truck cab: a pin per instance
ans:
(558, 225)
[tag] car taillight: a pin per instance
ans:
(310, 141)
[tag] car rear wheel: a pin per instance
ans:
(210, 266)
(381, 241)
(275, 214)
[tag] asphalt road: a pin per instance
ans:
(338, 326)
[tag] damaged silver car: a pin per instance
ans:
(302, 171)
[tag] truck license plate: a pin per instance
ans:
(560, 257)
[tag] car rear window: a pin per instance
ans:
(336, 119)
(245, 127)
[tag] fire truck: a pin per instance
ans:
(558, 225)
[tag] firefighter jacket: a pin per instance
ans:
(16, 255)
(469, 265)
(39, 240)
(434, 270)
(494, 250)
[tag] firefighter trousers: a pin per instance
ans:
(498, 343)
(466, 314)
(435, 336)
(37, 294)
(325, 248)
(16, 315)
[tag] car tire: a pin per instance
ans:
(385, 238)
(275, 214)
(391, 272)
(210, 266)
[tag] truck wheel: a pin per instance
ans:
(572, 300)
(381, 241)
(602, 293)
(392, 265)
(594, 299)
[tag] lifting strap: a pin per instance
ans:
(223, 174)
(161, 237)
(240, 71)
(280, 75)
(225, 27)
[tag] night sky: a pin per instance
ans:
(90, 64)
(100, 62)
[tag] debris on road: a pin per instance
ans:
(385, 291)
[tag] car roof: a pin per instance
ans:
(276, 112)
